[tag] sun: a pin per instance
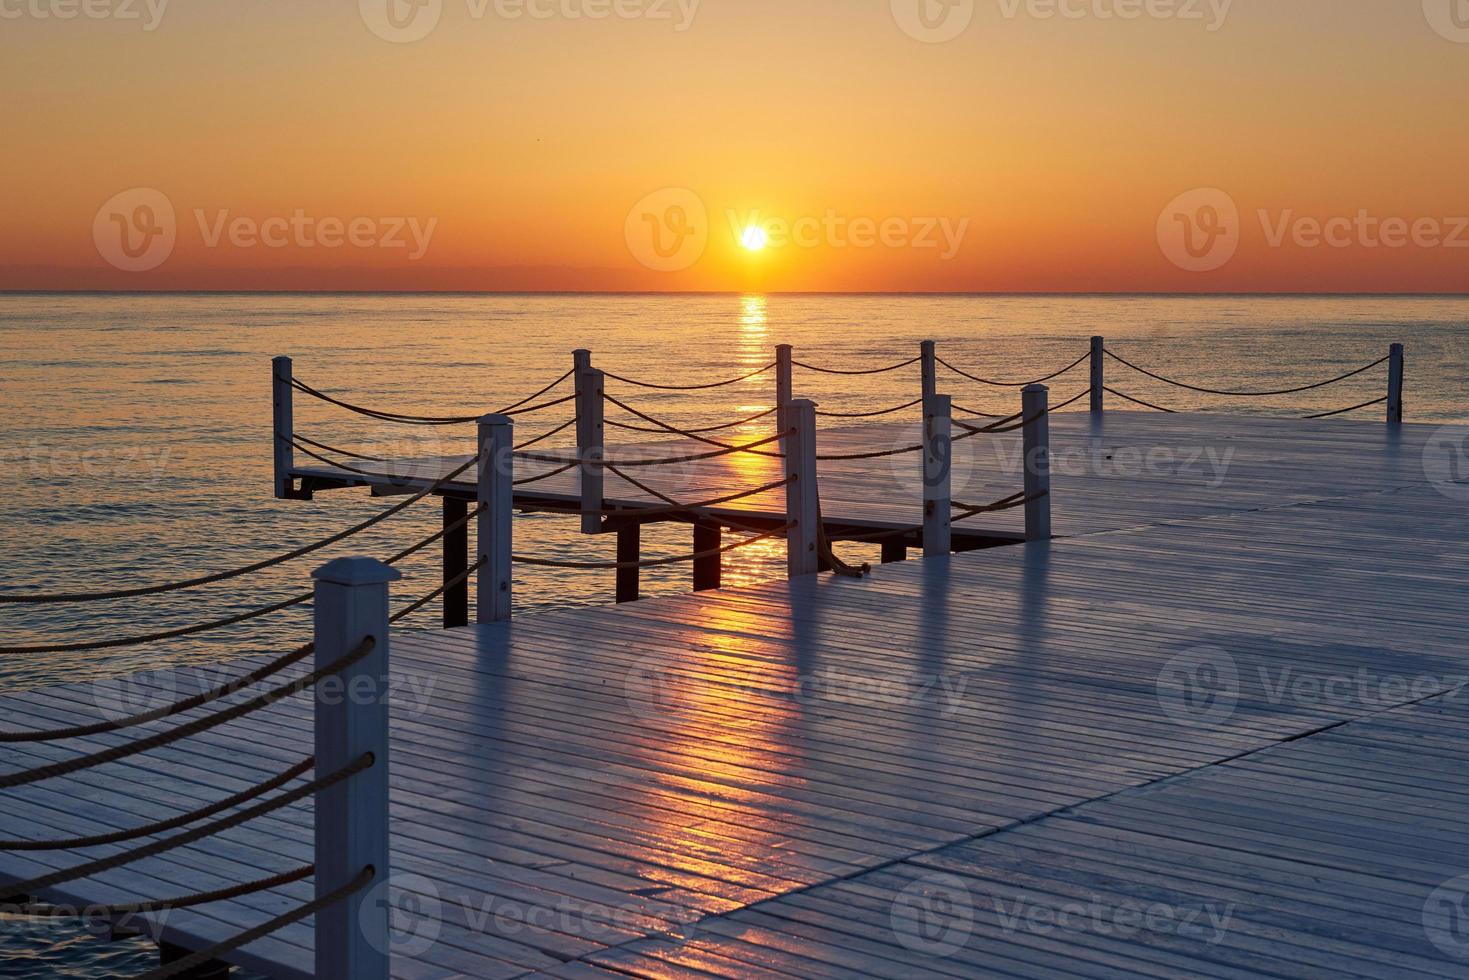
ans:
(754, 238)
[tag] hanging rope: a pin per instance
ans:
(172, 823)
(1343, 411)
(394, 417)
(167, 711)
(296, 437)
(882, 370)
(132, 641)
(405, 419)
(705, 387)
(547, 435)
(686, 433)
(870, 415)
(27, 776)
(675, 506)
(708, 428)
(746, 448)
(652, 562)
(418, 604)
(545, 476)
(45, 909)
(248, 569)
(977, 414)
(1014, 384)
(1138, 401)
(1005, 503)
(86, 870)
(197, 959)
(1247, 394)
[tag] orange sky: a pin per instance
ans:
(1027, 153)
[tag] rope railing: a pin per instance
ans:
(87, 869)
(1014, 384)
(194, 960)
(1138, 401)
(856, 373)
(870, 415)
(402, 418)
(116, 910)
(700, 387)
(1354, 408)
(158, 739)
(651, 562)
(1245, 394)
(675, 430)
(251, 568)
(172, 823)
(526, 481)
(1004, 503)
(678, 507)
(419, 603)
(665, 461)
(707, 428)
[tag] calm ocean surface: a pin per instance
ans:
(136, 441)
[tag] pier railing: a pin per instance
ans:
(598, 401)
(346, 775)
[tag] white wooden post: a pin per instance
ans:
(929, 355)
(938, 453)
(1034, 404)
(496, 497)
(1395, 385)
(284, 426)
(784, 385)
(803, 502)
(352, 938)
(590, 387)
(1099, 373)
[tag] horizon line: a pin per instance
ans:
(1247, 294)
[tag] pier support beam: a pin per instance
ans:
(629, 549)
(352, 938)
(707, 570)
(283, 425)
(1099, 373)
(938, 453)
(456, 561)
(494, 532)
(1036, 419)
(803, 501)
(1395, 385)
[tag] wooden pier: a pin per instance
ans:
(1216, 727)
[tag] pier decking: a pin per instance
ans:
(1233, 694)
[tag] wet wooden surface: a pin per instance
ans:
(790, 779)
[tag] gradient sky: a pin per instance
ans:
(1056, 143)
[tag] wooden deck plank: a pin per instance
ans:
(708, 771)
